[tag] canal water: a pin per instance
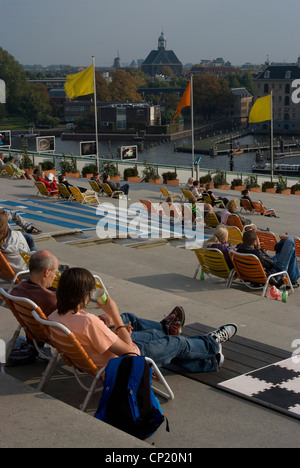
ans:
(164, 153)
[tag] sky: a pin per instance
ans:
(52, 32)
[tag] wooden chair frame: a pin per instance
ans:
(7, 273)
(249, 269)
(107, 190)
(165, 193)
(42, 190)
(267, 240)
(207, 199)
(10, 172)
(75, 356)
(95, 186)
(211, 220)
(212, 262)
(82, 198)
(64, 192)
(22, 310)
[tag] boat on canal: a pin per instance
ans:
(288, 170)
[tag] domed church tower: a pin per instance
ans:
(162, 43)
(160, 58)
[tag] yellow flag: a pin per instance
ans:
(185, 101)
(81, 83)
(261, 110)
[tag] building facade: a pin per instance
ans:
(240, 106)
(115, 116)
(282, 81)
(158, 59)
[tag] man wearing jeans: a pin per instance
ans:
(117, 186)
(162, 342)
(284, 260)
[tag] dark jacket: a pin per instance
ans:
(266, 261)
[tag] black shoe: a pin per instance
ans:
(173, 323)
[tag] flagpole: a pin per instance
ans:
(271, 137)
(96, 120)
(192, 119)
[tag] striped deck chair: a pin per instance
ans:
(250, 271)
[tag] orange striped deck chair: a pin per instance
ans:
(267, 240)
(250, 271)
(22, 310)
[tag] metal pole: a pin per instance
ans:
(271, 138)
(96, 120)
(192, 119)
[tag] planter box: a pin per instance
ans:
(285, 192)
(297, 192)
(154, 181)
(172, 182)
(115, 178)
(52, 171)
(211, 185)
(270, 190)
(254, 189)
(135, 179)
(222, 187)
(87, 176)
(74, 175)
(238, 188)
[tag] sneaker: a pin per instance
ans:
(173, 323)
(220, 358)
(224, 333)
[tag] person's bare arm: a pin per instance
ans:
(124, 342)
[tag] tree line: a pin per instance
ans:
(32, 102)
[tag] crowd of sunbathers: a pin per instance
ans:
(111, 334)
(114, 334)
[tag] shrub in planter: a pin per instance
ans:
(150, 174)
(295, 189)
(68, 165)
(170, 178)
(237, 184)
(281, 186)
(268, 187)
(47, 165)
(26, 162)
(111, 169)
(89, 170)
(205, 180)
(252, 184)
(220, 180)
(131, 174)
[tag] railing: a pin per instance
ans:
(183, 172)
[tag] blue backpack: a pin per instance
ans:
(127, 401)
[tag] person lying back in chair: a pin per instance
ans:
(220, 241)
(246, 196)
(115, 186)
(285, 258)
(43, 268)
(160, 341)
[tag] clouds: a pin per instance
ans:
(71, 31)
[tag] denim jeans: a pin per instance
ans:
(286, 259)
(124, 188)
(195, 354)
(29, 240)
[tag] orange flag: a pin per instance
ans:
(185, 101)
